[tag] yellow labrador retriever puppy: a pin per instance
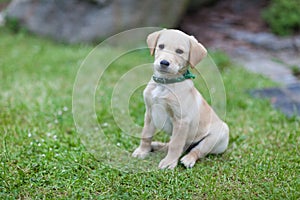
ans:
(175, 106)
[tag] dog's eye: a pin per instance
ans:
(179, 51)
(161, 46)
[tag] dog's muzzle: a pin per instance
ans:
(164, 64)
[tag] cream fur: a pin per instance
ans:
(178, 108)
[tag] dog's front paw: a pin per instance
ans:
(167, 163)
(188, 161)
(140, 153)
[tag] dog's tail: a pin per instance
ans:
(159, 146)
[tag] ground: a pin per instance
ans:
(236, 27)
(42, 155)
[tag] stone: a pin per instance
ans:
(286, 99)
(266, 40)
(263, 62)
(77, 21)
(297, 43)
(2, 21)
(196, 4)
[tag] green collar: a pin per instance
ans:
(186, 75)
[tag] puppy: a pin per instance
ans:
(175, 106)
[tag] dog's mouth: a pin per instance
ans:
(164, 71)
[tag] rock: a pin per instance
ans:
(76, 21)
(266, 40)
(196, 4)
(286, 99)
(2, 21)
(263, 62)
(297, 43)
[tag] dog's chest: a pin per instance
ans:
(161, 112)
(159, 94)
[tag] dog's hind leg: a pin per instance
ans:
(212, 144)
(159, 146)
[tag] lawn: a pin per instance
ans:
(42, 155)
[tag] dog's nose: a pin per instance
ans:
(164, 63)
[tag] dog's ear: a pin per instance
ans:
(152, 40)
(197, 52)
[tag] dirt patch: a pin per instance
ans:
(236, 27)
(210, 24)
(3, 5)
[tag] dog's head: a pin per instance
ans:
(174, 51)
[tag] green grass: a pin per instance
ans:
(283, 16)
(42, 155)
